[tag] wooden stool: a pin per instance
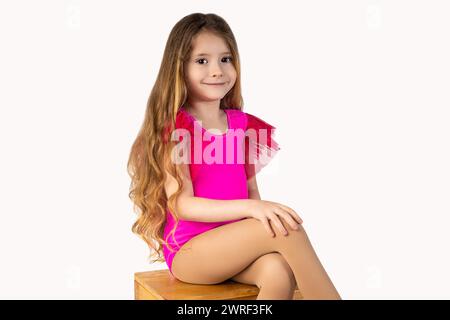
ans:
(162, 285)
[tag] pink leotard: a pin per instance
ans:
(224, 180)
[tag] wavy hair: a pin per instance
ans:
(149, 160)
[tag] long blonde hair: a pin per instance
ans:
(149, 157)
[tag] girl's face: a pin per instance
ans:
(210, 62)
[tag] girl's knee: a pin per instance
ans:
(281, 282)
(277, 273)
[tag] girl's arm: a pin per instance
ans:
(202, 209)
(253, 192)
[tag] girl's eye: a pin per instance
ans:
(231, 58)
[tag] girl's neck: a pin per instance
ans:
(204, 111)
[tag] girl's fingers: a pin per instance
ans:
(266, 224)
(289, 219)
(273, 217)
(292, 212)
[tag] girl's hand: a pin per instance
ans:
(267, 210)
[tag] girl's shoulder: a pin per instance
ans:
(247, 120)
(236, 118)
(183, 120)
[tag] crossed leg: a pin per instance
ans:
(272, 275)
(234, 250)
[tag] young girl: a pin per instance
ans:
(200, 203)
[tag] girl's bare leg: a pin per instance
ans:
(226, 251)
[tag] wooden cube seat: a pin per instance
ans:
(162, 285)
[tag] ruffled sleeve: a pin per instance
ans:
(183, 121)
(260, 145)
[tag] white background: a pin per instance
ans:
(359, 92)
